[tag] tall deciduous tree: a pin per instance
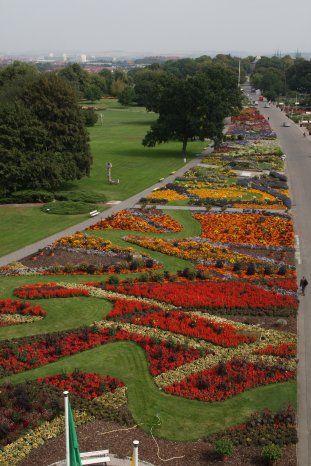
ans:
(43, 140)
(193, 107)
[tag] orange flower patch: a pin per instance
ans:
(247, 229)
(138, 221)
(230, 193)
(260, 206)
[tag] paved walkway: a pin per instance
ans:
(298, 162)
(128, 203)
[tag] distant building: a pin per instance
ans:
(83, 58)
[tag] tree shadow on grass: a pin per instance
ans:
(154, 152)
(136, 123)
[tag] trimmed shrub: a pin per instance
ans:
(224, 447)
(272, 453)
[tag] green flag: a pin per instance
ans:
(75, 459)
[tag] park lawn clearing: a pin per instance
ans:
(117, 141)
(21, 226)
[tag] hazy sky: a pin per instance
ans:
(154, 26)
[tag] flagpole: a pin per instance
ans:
(67, 428)
(135, 444)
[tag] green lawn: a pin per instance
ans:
(118, 141)
(62, 314)
(182, 419)
(20, 226)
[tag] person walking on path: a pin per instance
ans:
(303, 283)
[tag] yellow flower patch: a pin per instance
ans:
(167, 194)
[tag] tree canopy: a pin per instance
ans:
(190, 107)
(299, 76)
(43, 141)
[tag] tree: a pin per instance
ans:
(77, 77)
(90, 117)
(43, 139)
(149, 84)
(299, 76)
(271, 81)
(127, 96)
(16, 71)
(92, 92)
(117, 87)
(194, 107)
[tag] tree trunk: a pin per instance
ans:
(184, 149)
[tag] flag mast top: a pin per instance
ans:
(67, 428)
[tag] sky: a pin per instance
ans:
(154, 26)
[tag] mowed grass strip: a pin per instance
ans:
(181, 419)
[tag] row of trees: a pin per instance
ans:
(276, 76)
(92, 86)
(123, 85)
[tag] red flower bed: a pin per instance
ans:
(182, 323)
(284, 350)
(227, 379)
(87, 385)
(287, 284)
(36, 351)
(123, 306)
(231, 294)
(48, 290)
(10, 306)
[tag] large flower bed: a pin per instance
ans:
(190, 248)
(247, 229)
(138, 220)
(228, 379)
(48, 290)
(210, 294)
(250, 124)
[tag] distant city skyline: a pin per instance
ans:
(139, 27)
